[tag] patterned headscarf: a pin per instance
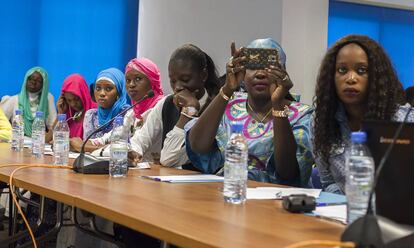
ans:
(24, 102)
(150, 69)
(116, 77)
(76, 85)
(270, 43)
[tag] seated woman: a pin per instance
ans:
(356, 82)
(142, 75)
(74, 101)
(275, 126)
(110, 94)
(34, 96)
(5, 128)
(194, 81)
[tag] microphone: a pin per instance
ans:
(373, 231)
(92, 164)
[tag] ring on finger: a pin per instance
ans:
(285, 78)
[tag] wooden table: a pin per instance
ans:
(188, 215)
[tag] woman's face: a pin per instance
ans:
(137, 84)
(351, 75)
(105, 94)
(184, 76)
(73, 101)
(34, 82)
(257, 83)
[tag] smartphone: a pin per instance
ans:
(260, 58)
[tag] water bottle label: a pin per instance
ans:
(119, 154)
(64, 146)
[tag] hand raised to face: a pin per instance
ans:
(186, 98)
(235, 71)
(280, 84)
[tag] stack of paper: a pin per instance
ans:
(278, 193)
(187, 178)
(336, 212)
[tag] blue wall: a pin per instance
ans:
(393, 28)
(64, 37)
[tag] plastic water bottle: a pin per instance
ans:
(38, 135)
(360, 172)
(118, 164)
(17, 131)
(61, 141)
(235, 167)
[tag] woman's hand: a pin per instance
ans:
(235, 71)
(75, 144)
(134, 158)
(280, 84)
(186, 98)
(62, 106)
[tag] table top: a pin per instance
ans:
(188, 215)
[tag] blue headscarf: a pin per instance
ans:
(270, 43)
(116, 77)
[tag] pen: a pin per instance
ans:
(152, 178)
(324, 204)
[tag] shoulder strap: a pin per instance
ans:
(170, 116)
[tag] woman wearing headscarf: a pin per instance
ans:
(74, 101)
(110, 94)
(34, 96)
(141, 76)
(275, 126)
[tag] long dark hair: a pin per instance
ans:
(385, 92)
(200, 60)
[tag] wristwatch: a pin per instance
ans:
(189, 112)
(281, 113)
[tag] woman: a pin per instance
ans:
(141, 76)
(5, 128)
(110, 94)
(275, 126)
(74, 101)
(356, 82)
(194, 81)
(34, 96)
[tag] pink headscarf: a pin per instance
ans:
(76, 85)
(150, 69)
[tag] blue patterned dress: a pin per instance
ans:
(259, 138)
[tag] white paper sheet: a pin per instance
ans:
(187, 178)
(277, 192)
(337, 213)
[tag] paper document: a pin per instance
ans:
(141, 166)
(49, 151)
(337, 213)
(187, 178)
(277, 193)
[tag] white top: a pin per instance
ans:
(148, 139)
(9, 104)
(129, 121)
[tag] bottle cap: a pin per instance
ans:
(39, 114)
(61, 117)
(237, 127)
(18, 112)
(119, 120)
(358, 137)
